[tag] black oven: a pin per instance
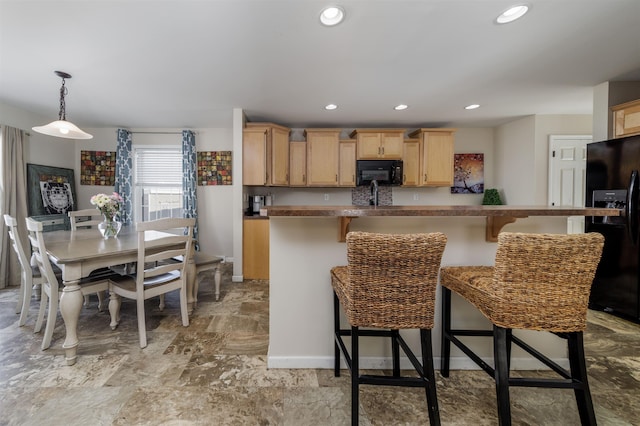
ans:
(385, 172)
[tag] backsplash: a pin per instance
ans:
(360, 196)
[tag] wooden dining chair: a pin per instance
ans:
(30, 275)
(86, 218)
(158, 272)
(51, 288)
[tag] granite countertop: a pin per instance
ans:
(472, 210)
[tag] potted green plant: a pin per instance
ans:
(491, 198)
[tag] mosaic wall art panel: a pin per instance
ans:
(214, 168)
(98, 168)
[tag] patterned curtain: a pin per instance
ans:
(189, 179)
(124, 170)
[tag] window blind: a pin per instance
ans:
(158, 166)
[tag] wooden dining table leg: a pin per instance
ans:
(70, 306)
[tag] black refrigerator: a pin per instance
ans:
(612, 181)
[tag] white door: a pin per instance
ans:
(567, 175)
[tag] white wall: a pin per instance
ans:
(515, 168)
(214, 202)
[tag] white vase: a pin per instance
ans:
(109, 227)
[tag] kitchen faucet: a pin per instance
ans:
(373, 198)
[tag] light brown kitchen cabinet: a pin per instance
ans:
(378, 144)
(254, 157)
(297, 163)
(626, 119)
(255, 249)
(347, 171)
(322, 156)
(411, 162)
(265, 154)
(436, 156)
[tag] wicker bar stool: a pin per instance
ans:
(539, 282)
(390, 284)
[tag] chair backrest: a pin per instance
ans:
(393, 278)
(39, 250)
(84, 218)
(543, 281)
(161, 265)
(23, 258)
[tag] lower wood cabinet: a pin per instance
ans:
(255, 249)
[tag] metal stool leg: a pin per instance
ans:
(427, 366)
(355, 376)
(579, 375)
(445, 347)
(501, 375)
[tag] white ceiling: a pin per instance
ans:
(187, 64)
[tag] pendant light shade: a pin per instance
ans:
(62, 128)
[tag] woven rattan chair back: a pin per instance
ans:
(543, 281)
(393, 278)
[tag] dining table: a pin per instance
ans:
(79, 252)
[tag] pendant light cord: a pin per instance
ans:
(63, 91)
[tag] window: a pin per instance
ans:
(157, 183)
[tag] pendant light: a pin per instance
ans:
(62, 128)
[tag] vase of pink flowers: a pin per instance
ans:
(109, 206)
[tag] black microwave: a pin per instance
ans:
(385, 172)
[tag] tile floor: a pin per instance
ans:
(214, 373)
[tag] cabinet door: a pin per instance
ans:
(626, 119)
(369, 146)
(298, 164)
(347, 173)
(322, 158)
(411, 162)
(391, 145)
(437, 159)
(254, 157)
(279, 157)
(255, 249)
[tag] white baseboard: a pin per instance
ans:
(237, 278)
(378, 363)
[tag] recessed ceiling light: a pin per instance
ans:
(400, 107)
(331, 16)
(472, 106)
(331, 107)
(513, 13)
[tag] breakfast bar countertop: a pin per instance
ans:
(496, 216)
(459, 210)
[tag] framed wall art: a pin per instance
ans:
(51, 190)
(468, 174)
(214, 168)
(98, 168)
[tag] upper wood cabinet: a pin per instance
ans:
(297, 164)
(377, 144)
(265, 161)
(347, 168)
(626, 119)
(411, 162)
(436, 156)
(322, 156)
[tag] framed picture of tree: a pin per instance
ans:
(468, 174)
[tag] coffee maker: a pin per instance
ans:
(256, 202)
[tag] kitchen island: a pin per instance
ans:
(305, 242)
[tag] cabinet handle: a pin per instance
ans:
(425, 177)
(353, 178)
(378, 150)
(404, 178)
(383, 150)
(304, 178)
(336, 178)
